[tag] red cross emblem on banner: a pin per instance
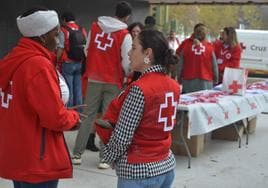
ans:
(243, 46)
(226, 115)
(253, 105)
(235, 86)
(238, 110)
(5, 98)
(209, 120)
(104, 41)
(167, 112)
(198, 49)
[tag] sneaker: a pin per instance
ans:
(76, 160)
(103, 165)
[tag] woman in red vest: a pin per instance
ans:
(139, 147)
(228, 52)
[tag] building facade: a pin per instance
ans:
(85, 11)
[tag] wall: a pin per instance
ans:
(86, 11)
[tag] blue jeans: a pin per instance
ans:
(72, 74)
(48, 184)
(161, 181)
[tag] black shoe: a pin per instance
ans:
(91, 143)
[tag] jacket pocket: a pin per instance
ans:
(43, 143)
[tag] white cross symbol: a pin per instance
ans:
(198, 51)
(168, 116)
(5, 104)
(104, 41)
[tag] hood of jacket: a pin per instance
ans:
(25, 49)
(110, 24)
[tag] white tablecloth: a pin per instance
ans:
(211, 109)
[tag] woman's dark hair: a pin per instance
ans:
(158, 43)
(67, 16)
(131, 26)
(123, 9)
(150, 21)
(33, 10)
(231, 36)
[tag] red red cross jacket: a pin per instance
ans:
(104, 56)
(32, 117)
(227, 57)
(197, 60)
(152, 138)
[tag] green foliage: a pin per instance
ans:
(215, 17)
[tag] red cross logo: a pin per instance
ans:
(235, 86)
(226, 115)
(198, 49)
(167, 113)
(253, 106)
(243, 46)
(104, 41)
(209, 120)
(238, 110)
(5, 98)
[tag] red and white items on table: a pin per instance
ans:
(234, 81)
(258, 85)
(205, 96)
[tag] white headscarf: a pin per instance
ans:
(38, 23)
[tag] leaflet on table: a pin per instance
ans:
(204, 96)
(258, 86)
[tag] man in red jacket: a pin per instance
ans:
(33, 117)
(198, 68)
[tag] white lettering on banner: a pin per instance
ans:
(5, 104)
(167, 112)
(198, 49)
(104, 41)
(258, 48)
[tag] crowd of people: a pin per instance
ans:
(119, 81)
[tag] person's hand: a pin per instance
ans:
(196, 42)
(77, 126)
(82, 116)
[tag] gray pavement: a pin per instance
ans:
(221, 165)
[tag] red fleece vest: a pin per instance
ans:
(104, 56)
(197, 61)
(152, 138)
(227, 57)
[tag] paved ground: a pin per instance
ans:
(221, 165)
